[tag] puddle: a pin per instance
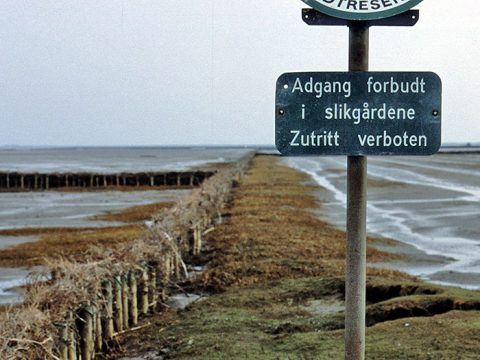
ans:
(11, 282)
(324, 307)
(195, 270)
(9, 241)
(181, 301)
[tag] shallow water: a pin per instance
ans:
(10, 282)
(430, 203)
(113, 159)
(181, 301)
(58, 209)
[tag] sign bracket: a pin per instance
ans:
(316, 18)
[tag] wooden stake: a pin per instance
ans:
(144, 292)
(125, 301)
(132, 282)
(98, 329)
(197, 240)
(64, 339)
(166, 275)
(153, 288)
(108, 313)
(118, 308)
(176, 258)
(86, 332)
(72, 344)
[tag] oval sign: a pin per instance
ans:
(362, 9)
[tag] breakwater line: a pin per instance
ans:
(15, 181)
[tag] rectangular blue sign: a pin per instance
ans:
(358, 113)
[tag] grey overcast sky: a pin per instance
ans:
(164, 72)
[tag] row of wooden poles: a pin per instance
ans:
(124, 299)
(129, 296)
(35, 181)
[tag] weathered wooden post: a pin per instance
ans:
(72, 344)
(144, 292)
(118, 304)
(153, 288)
(125, 300)
(108, 310)
(64, 339)
(197, 234)
(98, 327)
(176, 261)
(132, 282)
(166, 275)
(86, 317)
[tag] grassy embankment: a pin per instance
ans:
(275, 273)
(74, 242)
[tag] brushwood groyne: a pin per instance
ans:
(79, 313)
(15, 181)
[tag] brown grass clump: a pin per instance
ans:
(67, 244)
(133, 214)
(271, 234)
(26, 334)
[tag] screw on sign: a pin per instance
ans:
(362, 9)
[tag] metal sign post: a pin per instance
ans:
(356, 259)
(314, 116)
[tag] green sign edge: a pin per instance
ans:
(361, 16)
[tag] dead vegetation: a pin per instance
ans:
(271, 234)
(70, 244)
